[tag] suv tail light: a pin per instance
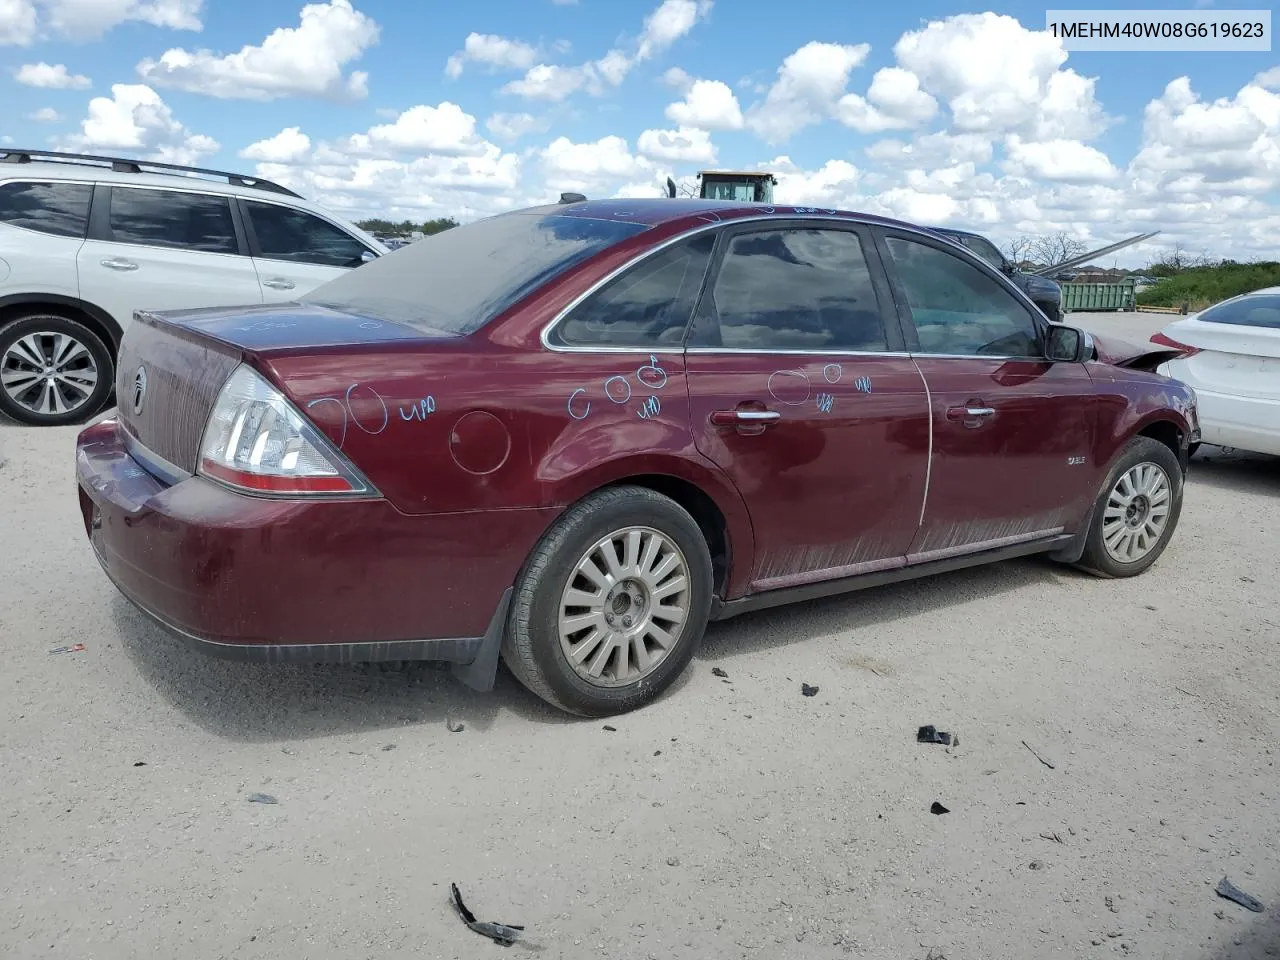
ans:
(1172, 344)
(257, 442)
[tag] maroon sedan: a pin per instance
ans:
(574, 434)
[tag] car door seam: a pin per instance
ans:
(928, 463)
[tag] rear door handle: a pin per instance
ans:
(744, 418)
(117, 263)
(278, 283)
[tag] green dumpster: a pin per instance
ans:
(1098, 296)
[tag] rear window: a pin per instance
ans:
(1262, 311)
(61, 209)
(457, 281)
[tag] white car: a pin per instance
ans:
(85, 241)
(1231, 358)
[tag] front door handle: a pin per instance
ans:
(278, 283)
(972, 414)
(117, 263)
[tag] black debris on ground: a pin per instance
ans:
(808, 691)
(140, 763)
(503, 933)
(1038, 756)
(1230, 891)
(261, 798)
(454, 726)
(717, 672)
(938, 809)
(388, 746)
(611, 729)
(930, 734)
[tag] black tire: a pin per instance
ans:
(531, 644)
(1139, 450)
(47, 323)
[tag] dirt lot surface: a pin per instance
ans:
(733, 818)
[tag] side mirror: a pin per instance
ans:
(1008, 269)
(1065, 344)
(368, 256)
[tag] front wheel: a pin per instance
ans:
(612, 604)
(53, 370)
(1137, 512)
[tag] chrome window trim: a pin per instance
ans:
(545, 336)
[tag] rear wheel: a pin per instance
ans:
(53, 370)
(1137, 512)
(612, 604)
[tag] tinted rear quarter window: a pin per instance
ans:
(1261, 311)
(300, 237)
(457, 281)
(60, 209)
(171, 218)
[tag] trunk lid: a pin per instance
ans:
(172, 366)
(1120, 353)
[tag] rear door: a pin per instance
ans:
(295, 251)
(163, 250)
(799, 392)
(1012, 431)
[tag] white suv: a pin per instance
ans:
(85, 241)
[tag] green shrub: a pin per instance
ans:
(1200, 287)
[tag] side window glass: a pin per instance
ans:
(169, 218)
(794, 289)
(60, 209)
(957, 308)
(645, 307)
(296, 236)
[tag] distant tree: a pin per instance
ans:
(1019, 248)
(1055, 248)
(439, 225)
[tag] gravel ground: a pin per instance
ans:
(732, 819)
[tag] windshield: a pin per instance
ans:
(457, 281)
(985, 249)
(1261, 311)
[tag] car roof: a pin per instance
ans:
(100, 173)
(658, 211)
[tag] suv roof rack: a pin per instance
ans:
(125, 165)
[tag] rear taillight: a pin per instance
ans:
(257, 442)
(1172, 344)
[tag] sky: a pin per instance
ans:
(932, 112)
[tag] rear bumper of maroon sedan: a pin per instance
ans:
(293, 580)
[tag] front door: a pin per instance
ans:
(163, 250)
(1012, 431)
(794, 393)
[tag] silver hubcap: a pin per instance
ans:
(1137, 513)
(48, 373)
(623, 609)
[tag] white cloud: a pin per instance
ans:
(668, 23)
(50, 76)
(513, 126)
(1068, 160)
(493, 51)
(584, 166)
(708, 104)
(686, 145)
(677, 78)
(834, 184)
(17, 23)
(90, 19)
(306, 60)
(445, 130)
(999, 77)
(134, 119)
(810, 82)
(893, 102)
(290, 145)
(931, 149)
(45, 115)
